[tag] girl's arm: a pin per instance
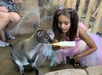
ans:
(89, 41)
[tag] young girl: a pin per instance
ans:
(66, 27)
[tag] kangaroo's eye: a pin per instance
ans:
(47, 37)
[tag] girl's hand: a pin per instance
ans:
(3, 9)
(64, 47)
(55, 47)
(77, 58)
(60, 47)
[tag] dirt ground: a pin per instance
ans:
(7, 67)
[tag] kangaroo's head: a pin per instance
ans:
(43, 37)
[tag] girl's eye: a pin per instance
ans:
(66, 23)
(60, 23)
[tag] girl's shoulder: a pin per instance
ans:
(83, 26)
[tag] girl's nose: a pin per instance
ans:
(62, 25)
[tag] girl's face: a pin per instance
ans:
(64, 23)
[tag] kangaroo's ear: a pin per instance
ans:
(36, 27)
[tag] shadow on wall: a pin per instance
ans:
(29, 11)
(36, 12)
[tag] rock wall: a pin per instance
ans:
(38, 12)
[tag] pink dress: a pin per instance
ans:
(59, 56)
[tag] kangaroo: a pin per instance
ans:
(26, 52)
